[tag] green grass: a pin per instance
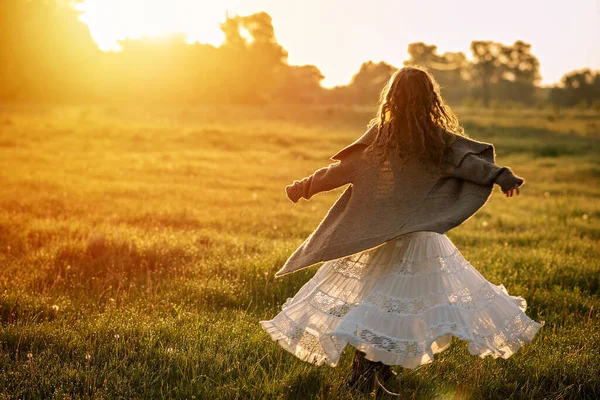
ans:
(138, 248)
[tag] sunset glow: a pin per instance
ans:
(112, 20)
(316, 32)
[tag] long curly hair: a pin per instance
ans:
(412, 119)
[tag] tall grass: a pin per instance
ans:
(138, 247)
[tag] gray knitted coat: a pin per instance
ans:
(394, 198)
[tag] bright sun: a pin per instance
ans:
(112, 20)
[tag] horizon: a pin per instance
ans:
(579, 38)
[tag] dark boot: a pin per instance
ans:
(363, 371)
(384, 372)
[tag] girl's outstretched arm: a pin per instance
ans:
(478, 170)
(324, 179)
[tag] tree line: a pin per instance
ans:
(48, 54)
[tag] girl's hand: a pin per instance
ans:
(512, 191)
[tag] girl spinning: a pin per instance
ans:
(393, 285)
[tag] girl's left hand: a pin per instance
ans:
(512, 191)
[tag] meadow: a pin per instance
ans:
(138, 247)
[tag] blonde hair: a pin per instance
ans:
(412, 119)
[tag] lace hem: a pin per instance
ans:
(501, 343)
(327, 348)
(301, 343)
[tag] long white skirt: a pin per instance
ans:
(400, 303)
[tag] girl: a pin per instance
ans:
(393, 285)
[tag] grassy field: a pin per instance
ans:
(138, 248)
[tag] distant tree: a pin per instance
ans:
(451, 70)
(577, 87)
(424, 55)
(427, 56)
(521, 71)
(301, 84)
(164, 70)
(583, 86)
(367, 83)
(247, 68)
(558, 96)
(254, 62)
(487, 66)
(45, 51)
(512, 70)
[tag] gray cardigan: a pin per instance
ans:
(394, 198)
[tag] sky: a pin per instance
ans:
(339, 35)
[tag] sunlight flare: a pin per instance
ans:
(111, 21)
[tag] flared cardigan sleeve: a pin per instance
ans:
(476, 163)
(325, 179)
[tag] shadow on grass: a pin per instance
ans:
(306, 386)
(105, 262)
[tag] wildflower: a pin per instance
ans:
(484, 224)
(55, 307)
(88, 356)
(170, 350)
(29, 356)
(584, 217)
(117, 336)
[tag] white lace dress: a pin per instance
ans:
(400, 303)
